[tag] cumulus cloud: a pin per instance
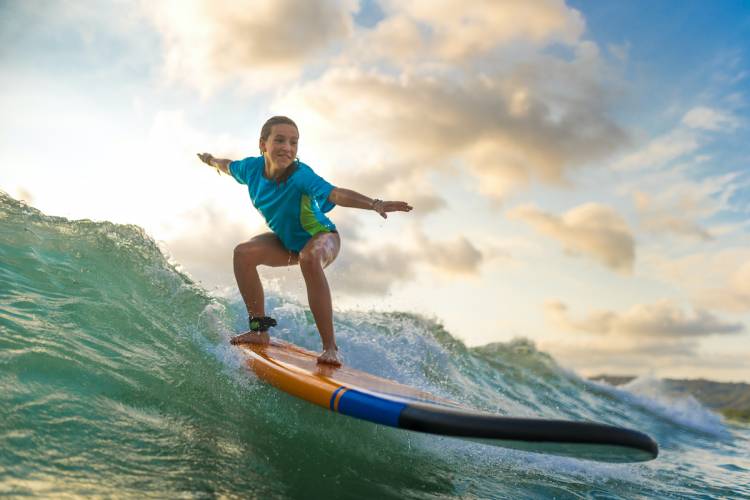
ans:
(662, 319)
(672, 357)
(459, 256)
(393, 181)
(683, 359)
(396, 39)
(623, 352)
(205, 249)
(591, 229)
(359, 270)
(466, 88)
(372, 272)
(366, 269)
(454, 31)
(504, 130)
(375, 270)
(461, 99)
(362, 268)
(647, 337)
(260, 42)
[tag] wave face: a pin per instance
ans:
(116, 379)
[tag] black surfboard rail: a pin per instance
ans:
(582, 439)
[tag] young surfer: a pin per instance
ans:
(293, 199)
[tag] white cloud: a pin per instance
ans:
(682, 358)
(205, 248)
(594, 230)
(361, 269)
(365, 268)
(662, 319)
(374, 271)
(647, 338)
(684, 139)
(459, 256)
(259, 42)
(706, 118)
(392, 181)
(733, 294)
(658, 217)
(454, 31)
(718, 279)
(661, 151)
(471, 85)
(501, 127)
(673, 201)
(396, 39)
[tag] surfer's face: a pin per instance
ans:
(281, 145)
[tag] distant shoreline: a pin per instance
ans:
(731, 399)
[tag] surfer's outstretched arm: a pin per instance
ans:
(347, 198)
(220, 164)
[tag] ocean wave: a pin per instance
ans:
(118, 379)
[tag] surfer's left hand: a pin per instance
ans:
(383, 207)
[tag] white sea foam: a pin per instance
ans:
(655, 395)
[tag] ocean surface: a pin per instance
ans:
(117, 380)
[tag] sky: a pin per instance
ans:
(580, 171)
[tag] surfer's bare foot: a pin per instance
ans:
(330, 357)
(251, 338)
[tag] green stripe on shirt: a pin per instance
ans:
(307, 218)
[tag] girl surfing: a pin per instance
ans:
(293, 200)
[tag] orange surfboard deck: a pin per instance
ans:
(295, 370)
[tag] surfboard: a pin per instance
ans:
(361, 395)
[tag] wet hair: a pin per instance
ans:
(265, 132)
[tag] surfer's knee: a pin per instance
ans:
(248, 252)
(310, 258)
(320, 251)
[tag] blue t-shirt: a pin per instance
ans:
(294, 208)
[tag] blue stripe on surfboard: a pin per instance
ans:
(368, 407)
(333, 397)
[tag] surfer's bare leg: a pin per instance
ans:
(320, 251)
(264, 249)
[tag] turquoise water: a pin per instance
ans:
(116, 379)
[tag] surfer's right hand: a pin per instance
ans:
(206, 158)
